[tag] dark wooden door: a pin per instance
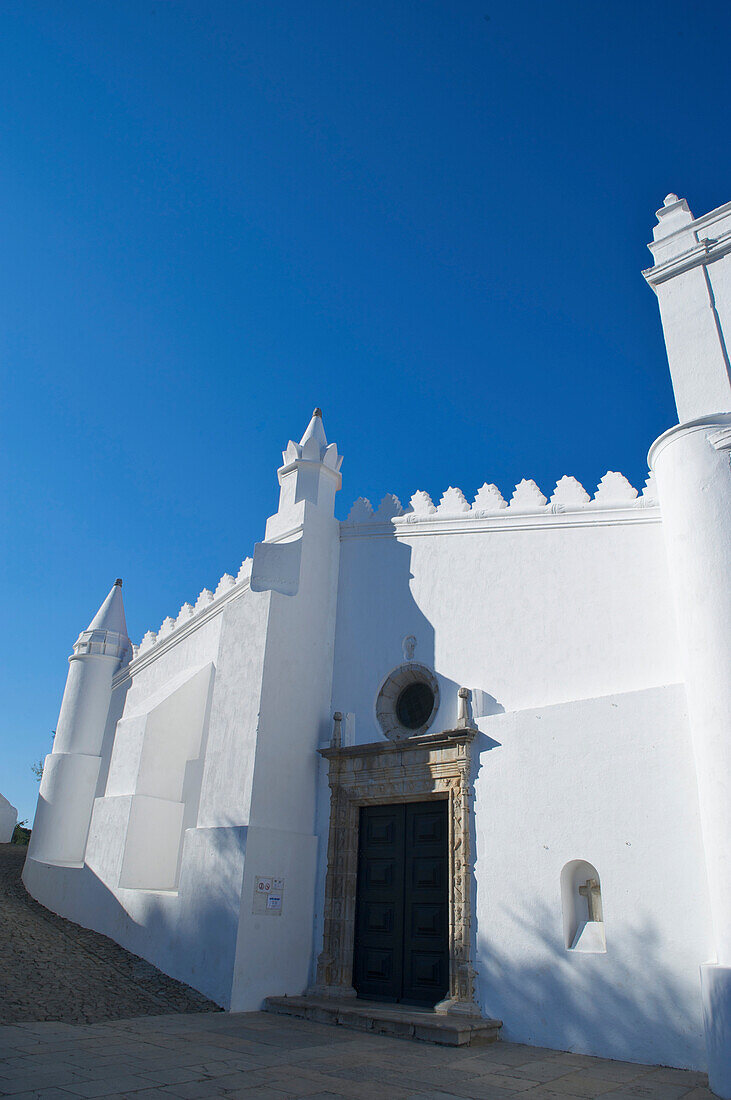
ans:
(401, 924)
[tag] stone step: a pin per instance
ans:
(399, 1021)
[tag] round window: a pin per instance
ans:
(414, 705)
(408, 701)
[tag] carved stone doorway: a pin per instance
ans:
(430, 766)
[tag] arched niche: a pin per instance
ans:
(583, 913)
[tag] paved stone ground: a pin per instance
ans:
(256, 1056)
(116, 1027)
(52, 969)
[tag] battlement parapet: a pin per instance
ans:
(614, 492)
(191, 612)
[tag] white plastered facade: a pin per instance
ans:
(593, 634)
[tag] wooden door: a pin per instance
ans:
(401, 925)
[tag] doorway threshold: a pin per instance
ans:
(396, 1020)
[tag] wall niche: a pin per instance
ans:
(583, 913)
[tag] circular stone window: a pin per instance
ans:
(408, 701)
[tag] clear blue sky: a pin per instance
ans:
(427, 217)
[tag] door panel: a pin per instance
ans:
(379, 918)
(401, 924)
(426, 956)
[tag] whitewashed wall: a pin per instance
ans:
(566, 621)
(609, 781)
(187, 926)
(532, 610)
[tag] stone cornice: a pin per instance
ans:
(719, 438)
(297, 463)
(413, 525)
(704, 251)
(431, 741)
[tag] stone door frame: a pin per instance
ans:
(430, 766)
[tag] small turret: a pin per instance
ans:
(310, 469)
(106, 634)
(309, 478)
(70, 772)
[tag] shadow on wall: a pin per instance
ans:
(623, 1004)
(190, 934)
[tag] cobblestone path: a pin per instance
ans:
(52, 969)
(255, 1056)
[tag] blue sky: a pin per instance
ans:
(427, 217)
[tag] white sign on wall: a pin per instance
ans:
(268, 895)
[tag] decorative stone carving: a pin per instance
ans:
(614, 489)
(453, 501)
(148, 641)
(337, 734)
(569, 492)
(204, 599)
(527, 496)
(409, 647)
(245, 571)
(167, 627)
(186, 612)
(226, 582)
(422, 504)
(489, 499)
(435, 765)
(464, 721)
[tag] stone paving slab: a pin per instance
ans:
(53, 969)
(259, 1056)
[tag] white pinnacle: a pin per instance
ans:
(315, 430)
(110, 615)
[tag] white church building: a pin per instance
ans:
(468, 756)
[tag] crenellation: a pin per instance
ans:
(188, 612)
(204, 599)
(226, 582)
(244, 572)
(489, 499)
(569, 492)
(569, 495)
(527, 496)
(422, 504)
(453, 500)
(167, 627)
(649, 493)
(614, 489)
(147, 642)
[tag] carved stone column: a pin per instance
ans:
(462, 973)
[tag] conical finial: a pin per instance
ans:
(110, 615)
(315, 431)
